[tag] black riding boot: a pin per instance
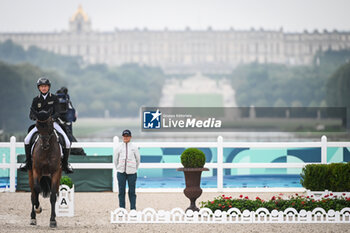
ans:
(65, 166)
(28, 165)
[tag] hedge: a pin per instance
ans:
(334, 177)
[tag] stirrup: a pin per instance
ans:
(67, 169)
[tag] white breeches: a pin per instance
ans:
(57, 128)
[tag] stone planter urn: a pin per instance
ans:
(193, 161)
(193, 185)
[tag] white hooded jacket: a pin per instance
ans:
(127, 158)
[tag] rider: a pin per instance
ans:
(67, 114)
(46, 101)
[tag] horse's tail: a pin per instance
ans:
(45, 185)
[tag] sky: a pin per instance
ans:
(106, 15)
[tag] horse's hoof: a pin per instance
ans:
(33, 222)
(38, 210)
(53, 224)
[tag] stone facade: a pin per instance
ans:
(183, 51)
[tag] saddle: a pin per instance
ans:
(35, 137)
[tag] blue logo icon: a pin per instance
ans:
(152, 119)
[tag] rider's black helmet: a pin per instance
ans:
(43, 81)
(64, 90)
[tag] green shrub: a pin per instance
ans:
(67, 181)
(334, 177)
(193, 158)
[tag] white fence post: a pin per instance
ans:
(13, 165)
(114, 171)
(324, 149)
(220, 155)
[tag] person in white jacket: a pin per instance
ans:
(127, 161)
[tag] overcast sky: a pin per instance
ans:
(106, 15)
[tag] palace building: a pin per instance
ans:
(183, 51)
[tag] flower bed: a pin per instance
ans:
(279, 203)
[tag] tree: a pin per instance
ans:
(338, 87)
(17, 89)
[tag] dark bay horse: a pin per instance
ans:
(46, 170)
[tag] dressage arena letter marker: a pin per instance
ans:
(65, 201)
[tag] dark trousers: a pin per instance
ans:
(131, 178)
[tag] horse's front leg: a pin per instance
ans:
(33, 183)
(53, 197)
(34, 198)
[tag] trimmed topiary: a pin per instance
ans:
(67, 181)
(193, 158)
(319, 177)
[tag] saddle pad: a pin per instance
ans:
(36, 139)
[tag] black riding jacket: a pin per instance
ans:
(39, 104)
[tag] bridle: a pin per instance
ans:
(45, 138)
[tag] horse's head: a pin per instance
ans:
(44, 124)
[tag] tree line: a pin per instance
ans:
(97, 90)
(324, 83)
(94, 89)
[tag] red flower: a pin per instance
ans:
(313, 200)
(223, 206)
(331, 194)
(312, 195)
(307, 197)
(219, 204)
(323, 200)
(302, 202)
(246, 197)
(212, 202)
(230, 206)
(344, 194)
(326, 196)
(241, 196)
(293, 204)
(273, 198)
(296, 194)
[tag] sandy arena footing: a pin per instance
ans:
(92, 214)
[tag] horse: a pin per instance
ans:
(46, 168)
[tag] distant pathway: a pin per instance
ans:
(197, 84)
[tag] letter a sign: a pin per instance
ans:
(65, 201)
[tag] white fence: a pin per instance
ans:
(220, 165)
(233, 215)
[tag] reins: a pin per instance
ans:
(45, 138)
